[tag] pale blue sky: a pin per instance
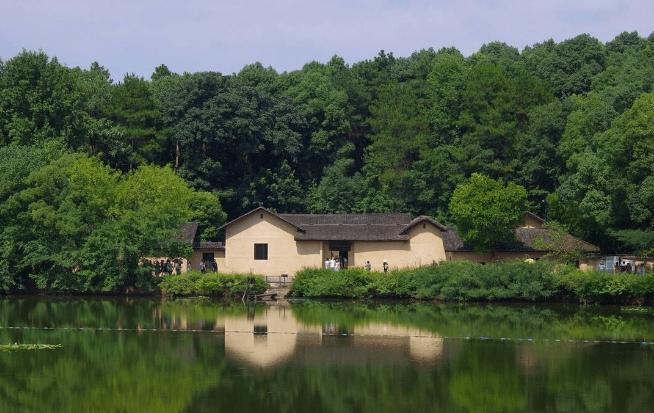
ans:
(197, 35)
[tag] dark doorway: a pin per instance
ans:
(345, 258)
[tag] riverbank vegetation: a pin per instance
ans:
(210, 284)
(467, 281)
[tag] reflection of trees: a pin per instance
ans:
(490, 320)
(125, 313)
(112, 371)
(486, 379)
(329, 389)
(78, 312)
(600, 378)
(109, 372)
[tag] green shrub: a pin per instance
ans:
(467, 281)
(196, 283)
(596, 287)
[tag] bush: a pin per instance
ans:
(215, 284)
(597, 287)
(467, 281)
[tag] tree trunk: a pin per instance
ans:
(177, 155)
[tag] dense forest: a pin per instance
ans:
(87, 159)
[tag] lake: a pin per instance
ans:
(203, 355)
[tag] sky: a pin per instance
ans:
(136, 36)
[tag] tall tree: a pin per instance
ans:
(79, 225)
(486, 211)
(229, 134)
(38, 101)
(568, 66)
(139, 136)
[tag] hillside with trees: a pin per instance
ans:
(86, 157)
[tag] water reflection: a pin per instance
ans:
(205, 356)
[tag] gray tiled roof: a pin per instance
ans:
(422, 219)
(254, 211)
(349, 227)
(188, 235)
(188, 232)
(526, 241)
(208, 246)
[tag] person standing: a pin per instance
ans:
(214, 265)
(368, 266)
(385, 266)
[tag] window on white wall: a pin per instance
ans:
(260, 251)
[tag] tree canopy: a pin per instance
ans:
(486, 211)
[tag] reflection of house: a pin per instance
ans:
(268, 243)
(275, 337)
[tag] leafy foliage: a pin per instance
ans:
(210, 284)
(466, 281)
(78, 225)
(486, 211)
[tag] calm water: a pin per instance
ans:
(141, 355)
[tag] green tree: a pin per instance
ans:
(78, 225)
(401, 129)
(486, 211)
(317, 91)
(208, 214)
(495, 112)
(18, 162)
(538, 162)
(138, 136)
(39, 101)
(338, 192)
(229, 132)
(568, 66)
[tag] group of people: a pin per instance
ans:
(163, 268)
(384, 265)
(335, 264)
(627, 267)
(207, 266)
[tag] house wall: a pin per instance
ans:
(486, 258)
(424, 247)
(426, 244)
(285, 255)
(531, 222)
(395, 252)
(218, 254)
